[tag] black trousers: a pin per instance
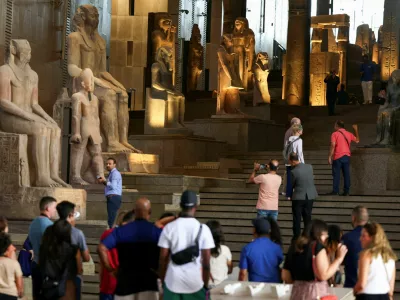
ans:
(301, 209)
(331, 101)
(372, 297)
(7, 297)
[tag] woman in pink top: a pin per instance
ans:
(268, 195)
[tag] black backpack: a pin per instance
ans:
(189, 254)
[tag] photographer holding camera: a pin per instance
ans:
(332, 81)
(268, 195)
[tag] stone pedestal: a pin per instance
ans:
(179, 150)
(135, 162)
(320, 66)
(241, 134)
(18, 200)
(374, 171)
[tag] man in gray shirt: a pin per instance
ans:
(66, 211)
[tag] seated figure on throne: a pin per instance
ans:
(21, 113)
(388, 114)
(87, 49)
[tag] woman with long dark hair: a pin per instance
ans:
(60, 262)
(221, 256)
(335, 236)
(275, 233)
(307, 264)
(376, 266)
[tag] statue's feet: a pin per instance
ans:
(118, 148)
(79, 181)
(129, 146)
(46, 182)
(384, 142)
(61, 182)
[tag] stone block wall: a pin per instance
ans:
(128, 53)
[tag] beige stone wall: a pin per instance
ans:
(33, 20)
(128, 49)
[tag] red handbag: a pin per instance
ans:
(327, 297)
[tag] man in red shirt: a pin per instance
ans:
(339, 155)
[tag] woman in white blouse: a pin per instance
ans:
(376, 266)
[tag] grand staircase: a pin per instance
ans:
(235, 208)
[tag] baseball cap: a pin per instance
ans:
(188, 199)
(261, 225)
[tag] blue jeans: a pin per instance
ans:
(113, 204)
(106, 297)
(78, 287)
(262, 213)
(341, 164)
(289, 190)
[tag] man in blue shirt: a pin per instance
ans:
(367, 71)
(261, 258)
(359, 218)
(37, 228)
(138, 254)
(113, 190)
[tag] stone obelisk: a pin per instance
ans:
(296, 72)
(390, 44)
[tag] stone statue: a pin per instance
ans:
(164, 34)
(87, 49)
(261, 72)
(21, 113)
(162, 88)
(229, 83)
(244, 48)
(195, 65)
(86, 132)
(387, 113)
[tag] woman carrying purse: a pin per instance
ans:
(376, 266)
(307, 264)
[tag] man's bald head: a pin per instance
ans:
(295, 121)
(142, 208)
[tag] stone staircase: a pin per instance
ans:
(235, 208)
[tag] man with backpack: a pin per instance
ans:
(187, 245)
(293, 145)
(339, 156)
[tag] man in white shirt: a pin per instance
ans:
(187, 280)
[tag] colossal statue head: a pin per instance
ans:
(241, 25)
(164, 22)
(86, 15)
(196, 35)
(20, 49)
(164, 57)
(87, 79)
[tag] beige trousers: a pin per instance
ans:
(367, 91)
(139, 296)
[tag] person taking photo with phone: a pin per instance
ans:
(332, 81)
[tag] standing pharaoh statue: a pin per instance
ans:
(87, 49)
(229, 83)
(21, 113)
(244, 48)
(386, 123)
(261, 72)
(195, 65)
(86, 135)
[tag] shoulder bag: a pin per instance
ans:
(348, 143)
(189, 254)
(327, 297)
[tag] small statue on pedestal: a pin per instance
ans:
(195, 66)
(162, 88)
(86, 133)
(261, 72)
(21, 113)
(229, 83)
(387, 121)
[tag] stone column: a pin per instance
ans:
(298, 52)
(390, 44)
(343, 43)
(323, 10)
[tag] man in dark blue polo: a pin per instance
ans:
(260, 260)
(359, 218)
(367, 71)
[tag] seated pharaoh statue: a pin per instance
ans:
(20, 113)
(165, 108)
(388, 120)
(87, 49)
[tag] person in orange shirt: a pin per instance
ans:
(339, 156)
